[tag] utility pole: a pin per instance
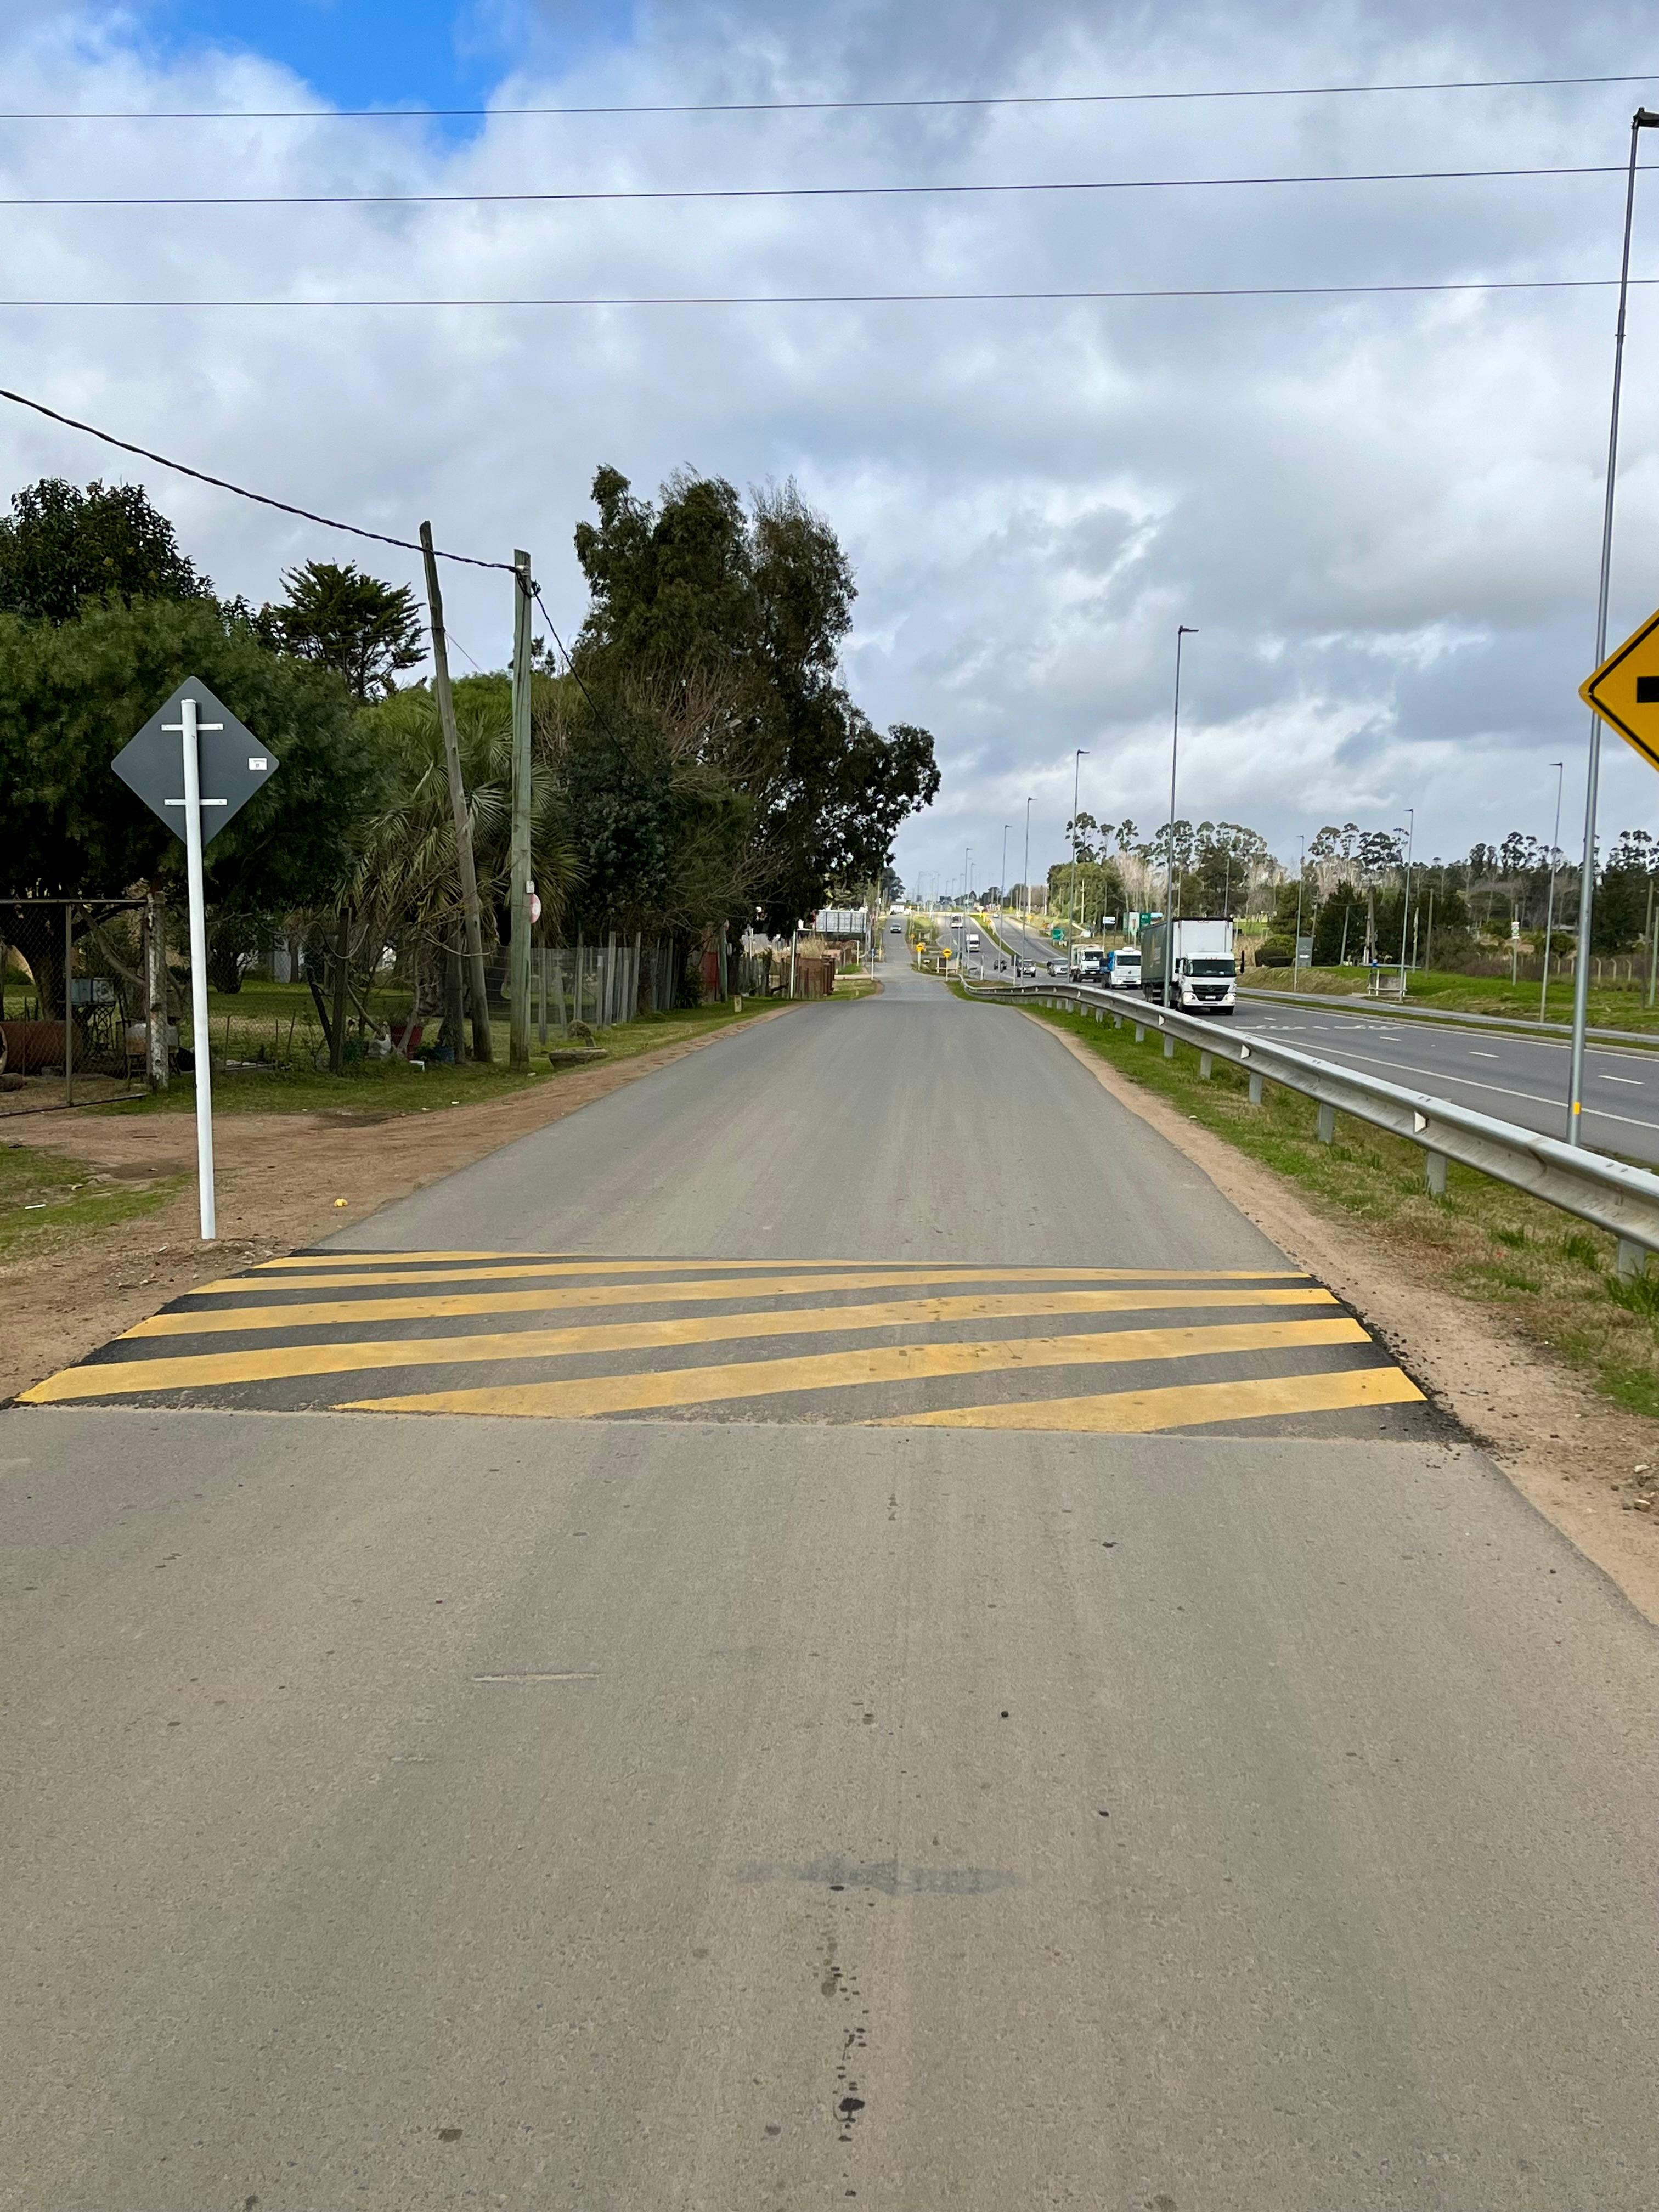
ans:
(1411, 839)
(1028, 865)
(478, 989)
(1643, 119)
(518, 966)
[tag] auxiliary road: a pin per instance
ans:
(701, 1662)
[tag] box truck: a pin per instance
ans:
(1204, 973)
(1123, 968)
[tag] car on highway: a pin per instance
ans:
(1060, 967)
(1025, 966)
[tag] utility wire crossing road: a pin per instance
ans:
(1119, 1350)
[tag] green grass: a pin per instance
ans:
(1622, 1009)
(1553, 1276)
(393, 1086)
(48, 1200)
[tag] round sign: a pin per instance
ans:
(535, 907)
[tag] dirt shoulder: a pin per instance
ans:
(278, 1179)
(1558, 1440)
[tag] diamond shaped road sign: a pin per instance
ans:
(1624, 690)
(234, 764)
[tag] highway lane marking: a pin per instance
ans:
(1468, 1083)
(1630, 1079)
(281, 1363)
(233, 1320)
(1183, 1406)
(581, 1397)
(924, 1271)
(1474, 1055)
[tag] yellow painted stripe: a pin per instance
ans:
(501, 1270)
(1184, 1406)
(280, 1363)
(581, 1397)
(353, 1312)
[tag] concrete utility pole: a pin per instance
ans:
(518, 966)
(478, 989)
(1028, 863)
(1641, 121)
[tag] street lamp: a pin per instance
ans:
(1296, 948)
(1549, 912)
(1077, 769)
(1028, 867)
(1182, 629)
(1643, 119)
(1406, 904)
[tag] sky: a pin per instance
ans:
(1381, 512)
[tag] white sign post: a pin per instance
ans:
(187, 727)
(222, 774)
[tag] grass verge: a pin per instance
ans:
(393, 1086)
(1554, 1277)
(48, 1200)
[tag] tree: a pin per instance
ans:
(724, 625)
(70, 696)
(366, 631)
(63, 550)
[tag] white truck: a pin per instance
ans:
(1087, 961)
(1122, 971)
(1204, 971)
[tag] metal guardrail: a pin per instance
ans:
(1608, 1193)
(1547, 1032)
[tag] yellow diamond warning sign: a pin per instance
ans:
(1624, 690)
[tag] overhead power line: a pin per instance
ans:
(844, 299)
(802, 107)
(241, 491)
(791, 192)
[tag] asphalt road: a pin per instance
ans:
(1513, 1077)
(696, 1808)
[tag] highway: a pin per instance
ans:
(1512, 1077)
(836, 1626)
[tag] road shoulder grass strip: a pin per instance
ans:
(1555, 1278)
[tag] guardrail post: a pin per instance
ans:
(1256, 1090)
(1141, 1032)
(1436, 1165)
(1327, 1124)
(1633, 1259)
(1206, 1062)
(1168, 1046)
(1117, 1021)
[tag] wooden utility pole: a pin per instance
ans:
(478, 989)
(518, 967)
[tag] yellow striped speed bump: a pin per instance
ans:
(577, 1336)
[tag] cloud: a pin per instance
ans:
(1382, 514)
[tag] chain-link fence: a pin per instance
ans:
(73, 1019)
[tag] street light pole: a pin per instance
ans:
(1296, 948)
(1028, 867)
(1077, 769)
(1549, 911)
(1182, 629)
(1405, 902)
(1643, 119)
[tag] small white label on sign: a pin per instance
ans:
(259, 761)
